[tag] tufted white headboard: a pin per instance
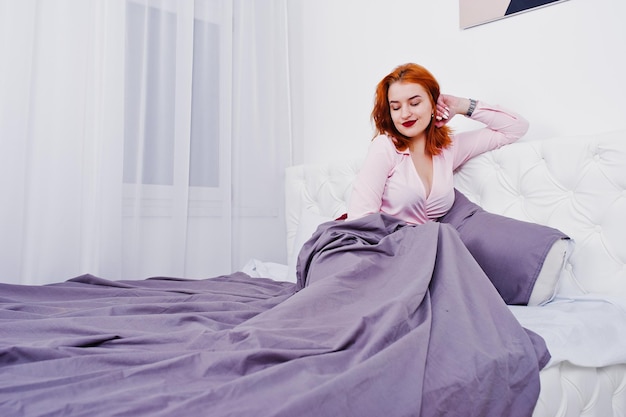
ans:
(575, 184)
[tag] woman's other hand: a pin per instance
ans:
(449, 106)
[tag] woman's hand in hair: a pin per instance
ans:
(449, 106)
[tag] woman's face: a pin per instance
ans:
(410, 108)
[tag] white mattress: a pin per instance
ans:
(587, 373)
(590, 334)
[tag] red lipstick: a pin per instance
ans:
(409, 123)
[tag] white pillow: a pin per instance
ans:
(547, 283)
(307, 225)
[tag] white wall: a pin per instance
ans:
(560, 66)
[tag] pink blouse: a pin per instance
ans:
(389, 183)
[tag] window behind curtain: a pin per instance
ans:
(177, 204)
(150, 99)
(205, 114)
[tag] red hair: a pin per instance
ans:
(437, 138)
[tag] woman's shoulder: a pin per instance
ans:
(387, 143)
(383, 139)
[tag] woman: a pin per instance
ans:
(408, 170)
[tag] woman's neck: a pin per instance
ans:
(418, 145)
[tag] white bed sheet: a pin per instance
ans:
(260, 269)
(586, 331)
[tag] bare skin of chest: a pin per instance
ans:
(424, 166)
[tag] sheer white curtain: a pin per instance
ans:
(118, 155)
(61, 130)
(261, 128)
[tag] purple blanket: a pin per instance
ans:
(385, 321)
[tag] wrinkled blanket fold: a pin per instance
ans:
(385, 319)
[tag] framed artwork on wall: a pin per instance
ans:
(477, 12)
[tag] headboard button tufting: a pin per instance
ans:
(571, 183)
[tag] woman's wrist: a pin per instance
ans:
(463, 106)
(471, 107)
(448, 106)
